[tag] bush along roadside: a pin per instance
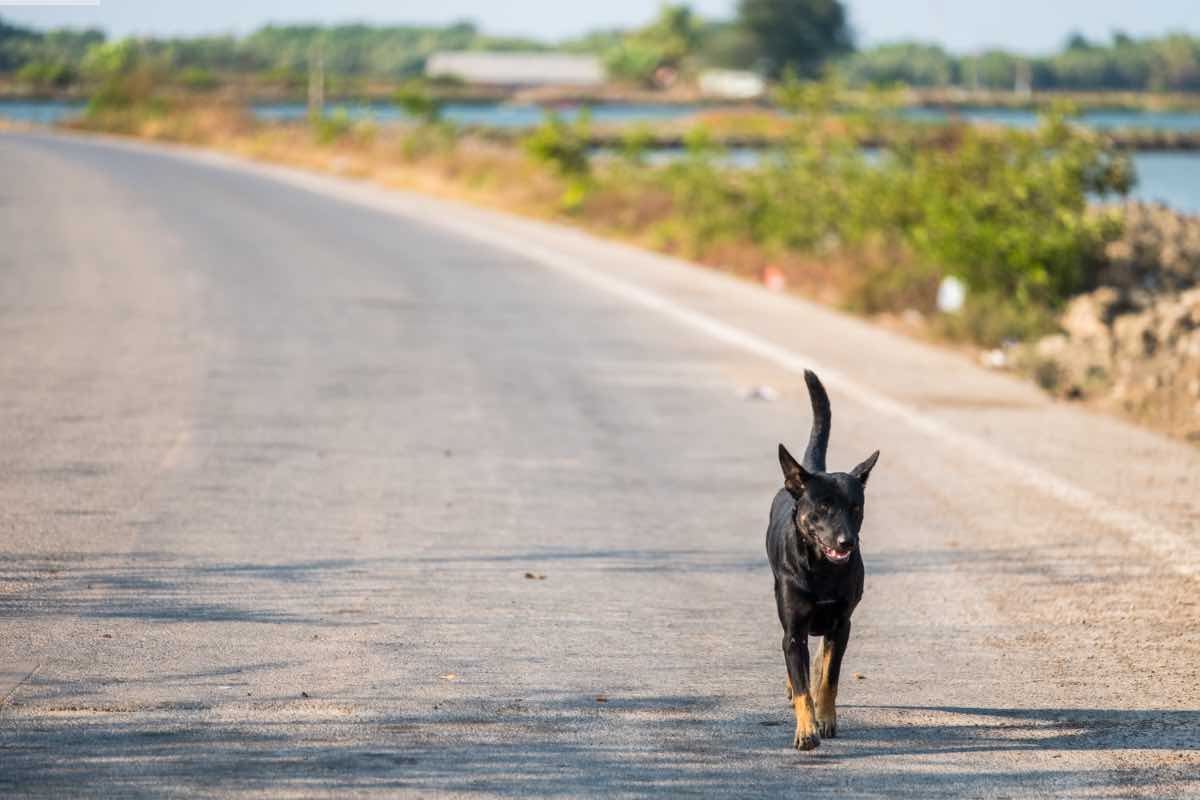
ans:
(1005, 212)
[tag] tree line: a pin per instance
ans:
(1158, 64)
(274, 53)
(771, 37)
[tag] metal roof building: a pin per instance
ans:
(517, 69)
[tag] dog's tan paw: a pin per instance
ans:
(827, 727)
(806, 740)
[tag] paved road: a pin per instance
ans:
(278, 452)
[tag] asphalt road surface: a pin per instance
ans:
(280, 453)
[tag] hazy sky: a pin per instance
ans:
(1029, 25)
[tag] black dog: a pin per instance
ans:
(812, 543)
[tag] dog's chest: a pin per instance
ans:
(825, 616)
(831, 597)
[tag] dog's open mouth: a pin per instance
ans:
(836, 556)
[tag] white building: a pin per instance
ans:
(516, 69)
(733, 84)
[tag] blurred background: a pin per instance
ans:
(1016, 179)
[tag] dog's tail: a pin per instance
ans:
(818, 439)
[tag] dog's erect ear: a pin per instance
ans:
(795, 477)
(863, 470)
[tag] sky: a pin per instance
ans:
(1031, 26)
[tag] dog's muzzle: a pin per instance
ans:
(835, 555)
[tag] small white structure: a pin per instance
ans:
(732, 83)
(516, 69)
(951, 295)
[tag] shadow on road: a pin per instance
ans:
(60, 740)
(149, 587)
(163, 587)
(675, 745)
(973, 729)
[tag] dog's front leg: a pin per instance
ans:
(795, 653)
(833, 647)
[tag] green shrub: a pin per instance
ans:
(198, 79)
(565, 148)
(47, 74)
(418, 103)
(285, 77)
(633, 61)
(634, 144)
(710, 201)
(992, 320)
(110, 60)
(329, 128)
(1007, 212)
(562, 146)
(126, 80)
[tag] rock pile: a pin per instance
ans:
(1158, 252)
(1135, 341)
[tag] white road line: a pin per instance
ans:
(1175, 548)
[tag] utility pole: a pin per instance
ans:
(316, 78)
(1023, 85)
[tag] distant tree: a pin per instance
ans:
(1177, 62)
(632, 61)
(910, 63)
(675, 33)
(47, 74)
(770, 35)
(1077, 41)
(995, 69)
(15, 43)
(669, 41)
(799, 35)
(725, 44)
